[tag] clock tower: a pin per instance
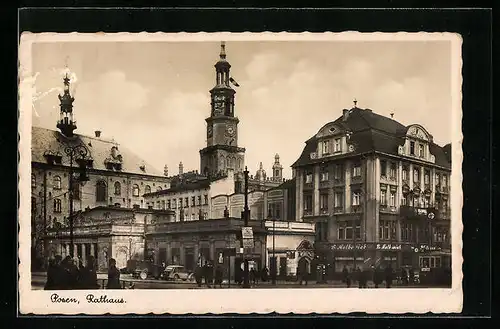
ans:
(222, 151)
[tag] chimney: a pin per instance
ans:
(181, 168)
(97, 133)
(345, 114)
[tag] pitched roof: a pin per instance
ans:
(47, 140)
(371, 132)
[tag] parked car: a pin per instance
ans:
(144, 269)
(178, 272)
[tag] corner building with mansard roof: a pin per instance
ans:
(118, 178)
(377, 191)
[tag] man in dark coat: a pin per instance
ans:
(345, 276)
(377, 279)
(88, 275)
(209, 274)
(198, 275)
(113, 276)
(218, 276)
(359, 277)
(388, 276)
(264, 274)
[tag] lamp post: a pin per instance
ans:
(246, 213)
(77, 153)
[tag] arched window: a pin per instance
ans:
(228, 162)
(118, 188)
(239, 164)
(147, 189)
(158, 189)
(33, 181)
(101, 195)
(57, 183)
(57, 205)
(135, 190)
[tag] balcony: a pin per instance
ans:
(356, 180)
(417, 212)
(308, 212)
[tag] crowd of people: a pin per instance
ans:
(212, 277)
(377, 275)
(70, 274)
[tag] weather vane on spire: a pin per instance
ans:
(222, 49)
(355, 102)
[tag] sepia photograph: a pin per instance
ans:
(240, 165)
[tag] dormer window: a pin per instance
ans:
(325, 147)
(421, 152)
(336, 145)
(412, 148)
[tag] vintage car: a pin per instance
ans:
(178, 272)
(144, 269)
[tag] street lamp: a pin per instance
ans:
(78, 153)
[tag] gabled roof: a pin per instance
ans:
(371, 132)
(47, 140)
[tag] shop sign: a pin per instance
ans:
(349, 246)
(421, 211)
(426, 247)
(388, 246)
(348, 258)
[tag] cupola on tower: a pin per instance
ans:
(222, 151)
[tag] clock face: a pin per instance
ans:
(218, 98)
(230, 130)
(351, 148)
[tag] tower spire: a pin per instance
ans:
(66, 123)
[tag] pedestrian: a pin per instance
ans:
(209, 274)
(411, 276)
(198, 275)
(73, 273)
(88, 275)
(359, 277)
(377, 279)
(345, 276)
(253, 275)
(113, 276)
(388, 276)
(218, 276)
(264, 274)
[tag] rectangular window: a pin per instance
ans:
(186, 199)
(193, 201)
(309, 178)
(392, 173)
(206, 199)
(341, 232)
(339, 200)
(421, 151)
(199, 200)
(416, 175)
(392, 200)
(324, 174)
(338, 172)
(357, 230)
(308, 202)
(169, 206)
(427, 177)
(323, 201)
(404, 173)
(336, 145)
(412, 148)
(325, 147)
(383, 197)
(356, 198)
(356, 170)
(348, 232)
(383, 168)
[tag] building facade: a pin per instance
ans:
(377, 192)
(116, 176)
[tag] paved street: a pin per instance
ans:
(38, 281)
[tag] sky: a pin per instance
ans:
(153, 97)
